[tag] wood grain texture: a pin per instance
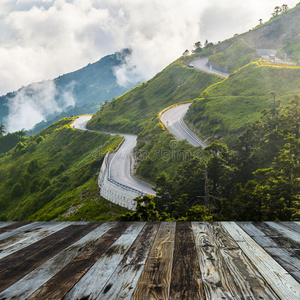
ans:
(285, 231)
(5, 224)
(28, 237)
(284, 285)
(17, 228)
(281, 236)
(94, 280)
(155, 280)
(292, 225)
(12, 226)
(285, 258)
(247, 278)
(122, 283)
(186, 282)
(20, 263)
(62, 282)
(36, 279)
(216, 277)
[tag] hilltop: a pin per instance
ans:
(75, 93)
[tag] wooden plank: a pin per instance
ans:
(281, 237)
(17, 228)
(4, 224)
(286, 232)
(155, 279)
(59, 285)
(217, 280)
(291, 225)
(26, 286)
(94, 280)
(285, 258)
(12, 226)
(247, 278)
(24, 239)
(22, 262)
(284, 285)
(122, 283)
(186, 282)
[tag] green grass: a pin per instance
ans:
(238, 100)
(42, 178)
(132, 111)
(236, 56)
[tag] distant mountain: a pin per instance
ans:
(82, 91)
(281, 33)
(273, 34)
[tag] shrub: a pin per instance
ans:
(17, 190)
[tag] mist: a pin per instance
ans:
(35, 103)
(42, 39)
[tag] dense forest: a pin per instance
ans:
(259, 179)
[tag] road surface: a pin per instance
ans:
(173, 120)
(200, 64)
(120, 161)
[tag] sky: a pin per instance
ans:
(42, 39)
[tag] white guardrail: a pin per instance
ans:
(114, 191)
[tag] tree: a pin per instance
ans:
(284, 8)
(198, 47)
(277, 10)
(186, 53)
(208, 44)
(2, 129)
(145, 211)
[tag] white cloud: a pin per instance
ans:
(41, 39)
(35, 103)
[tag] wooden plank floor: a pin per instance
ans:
(144, 260)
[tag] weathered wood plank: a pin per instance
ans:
(291, 225)
(186, 282)
(4, 224)
(122, 283)
(285, 258)
(247, 278)
(155, 279)
(60, 284)
(22, 262)
(281, 238)
(45, 273)
(24, 239)
(217, 280)
(286, 232)
(284, 285)
(12, 226)
(18, 228)
(97, 276)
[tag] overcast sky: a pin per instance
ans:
(47, 38)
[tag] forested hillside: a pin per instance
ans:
(53, 176)
(226, 108)
(132, 111)
(258, 180)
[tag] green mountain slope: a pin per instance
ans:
(132, 111)
(237, 55)
(54, 176)
(280, 33)
(237, 101)
(273, 34)
(90, 87)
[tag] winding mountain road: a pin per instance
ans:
(200, 64)
(173, 120)
(120, 162)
